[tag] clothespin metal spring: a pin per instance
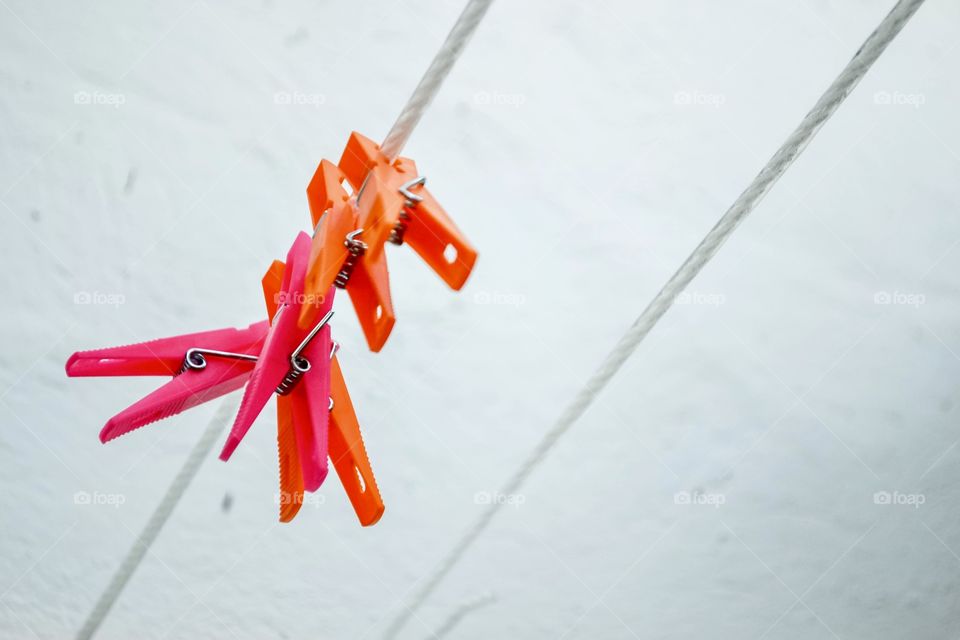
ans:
(356, 248)
(298, 364)
(411, 200)
(196, 358)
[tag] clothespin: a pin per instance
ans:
(346, 449)
(294, 363)
(204, 366)
(391, 205)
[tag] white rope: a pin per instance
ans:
(462, 612)
(160, 516)
(435, 75)
(740, 209)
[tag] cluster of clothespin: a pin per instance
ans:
(291, 353)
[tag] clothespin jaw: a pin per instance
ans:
(370, 294)
(326, 190)
(349, 455)
(204, 366)
(436, 239)
(334, 245)
(163, 356)
(271, 283)
(291, 474)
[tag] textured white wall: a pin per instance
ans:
(585, 148)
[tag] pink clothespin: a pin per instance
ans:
(204, 366)
(294, 362)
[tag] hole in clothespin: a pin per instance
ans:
(346, 187)
(450, 253)
(363, 485)
(379, 312)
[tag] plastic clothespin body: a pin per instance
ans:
(204, 366)
(343, 442)
(295, 363)
(391, 205)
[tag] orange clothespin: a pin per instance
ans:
(391, 205)
(345, 446)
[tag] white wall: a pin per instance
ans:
(585, 147)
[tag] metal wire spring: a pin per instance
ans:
(196, 358)
(187, 364)
(356, 248)
(410, 202)
(293, 376)
(396, 236)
